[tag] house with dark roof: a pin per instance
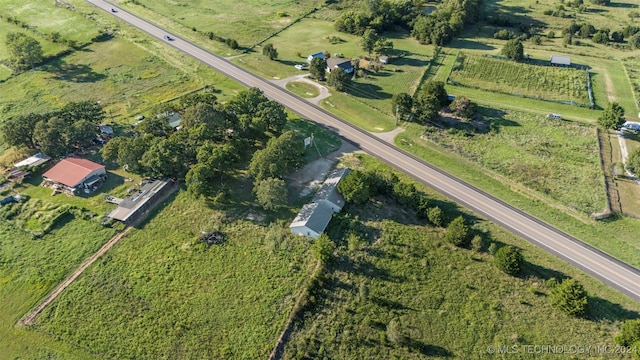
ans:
(318, 54)
(328, 192)
(73, 174)
(344, 64)
(312, 219)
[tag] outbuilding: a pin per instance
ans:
(315, 55)
(328, 193)
(312, 219)
(559, 60)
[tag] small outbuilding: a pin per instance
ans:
(312, 219)
(383, 59)
(559, 60)
(315, 55)
(106, 131)
(72, 174)
(32, 161)
(140, 201)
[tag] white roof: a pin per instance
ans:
(34, 160)
(559, 59)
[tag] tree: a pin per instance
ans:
(355, 187)
(270, 51)
(87, 110)
(570, 297)
(457, 232)
(394, 332)
(18, 130)
(477, 243)
(50, 137)
(612, 117)
(435, 88)
(383, 46)
(24, 51)
(509, 259)
(162, 158)
(279, 156)
(600, 37)
(219, 158)
(426, 107)
(322, 248)
(197, 98)
(369, 39)
(339, 79)
(272, 116)
(199, 180)
(271, 193)
(463, 107)
(318, 68)
(629, 333)
(401, 105)
(634, 41)
(435, 216)
(513, 50)
(633, 162)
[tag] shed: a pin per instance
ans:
(75, 173)
(140, 201)
(328, 192)
(559, 60)
(312, 219)
(344, 64)
(33, 161)
(383, 59)
(318, 54)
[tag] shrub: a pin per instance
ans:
(570, 297)
(435, 216)
(633, 163)
(629, 333)
(457, 232)
(509, 259)
(477, 243)
(355, 187)
(322, 248)
(503, 34)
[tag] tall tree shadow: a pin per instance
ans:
(78, 73)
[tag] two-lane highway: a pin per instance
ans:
(600, 265)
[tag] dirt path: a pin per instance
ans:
(608, 84)
(30, 318)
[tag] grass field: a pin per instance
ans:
(28, 270)
(303, 89)
(543, 82)
(449, 303)
(247, 21)
(163, 294)
(48, 48)
(47, 18)
(557, 158)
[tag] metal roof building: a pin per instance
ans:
(312, 219)
(328, 192)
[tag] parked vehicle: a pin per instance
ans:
(168, 38)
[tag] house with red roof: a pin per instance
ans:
(74, 174)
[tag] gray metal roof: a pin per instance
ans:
(315, 216)
(329, 189)
(128, 206)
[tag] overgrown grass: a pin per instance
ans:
(616, 236)
(358, 113)
(28, 270)
(557, 158)
(324, 142)
(544, 82)
(449, 302)
(163, 294)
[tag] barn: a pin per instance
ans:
(73, 174)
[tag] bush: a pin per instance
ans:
(355, 187)
(570, 297)
(509, 259)
(629, 333)
(435, 216)
(504, 34)
(322, 248)
(477, 243)
(633, 163)
(457, 232)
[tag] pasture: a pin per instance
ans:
(29, 269)
(446, 302)
(503, 76)
(161, 293)
(248, 22)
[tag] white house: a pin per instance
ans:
(328, 192)
(559, 60)
(312, 219)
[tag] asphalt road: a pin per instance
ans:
(611, 271)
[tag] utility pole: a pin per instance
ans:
(397, 106)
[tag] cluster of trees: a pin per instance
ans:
(380, 15)
(513, 50)
(448, 20)
(213, 140)
(270, 51)
(423, 107)
(600, 36)
(55, 133)
(372, 42)
(25, 52)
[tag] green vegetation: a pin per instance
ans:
(30, 268)
(509, 259)
(303, 89)
(163, 293)
(612, 117)
(405, 293)
(570, 297)
(544, 82)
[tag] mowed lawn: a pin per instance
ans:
(446, 302)
(29, 269)
(163, 294)
(248, 22)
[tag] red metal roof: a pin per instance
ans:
(71, 171)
